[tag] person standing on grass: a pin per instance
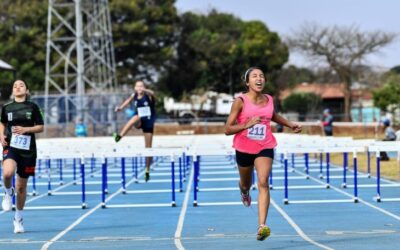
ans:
(144, 118)
(249, 120)
(20, 120)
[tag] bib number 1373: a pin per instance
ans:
(257, 132)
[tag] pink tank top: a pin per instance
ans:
(258, 137)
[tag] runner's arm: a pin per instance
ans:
(231, 127)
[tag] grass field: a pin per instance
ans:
(389, 169)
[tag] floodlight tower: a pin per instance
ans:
(79, 58)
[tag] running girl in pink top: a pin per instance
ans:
(249, 120)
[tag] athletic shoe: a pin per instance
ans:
(7, 201)
(117, 137)
(147, 176)
(263, 232)
(245, 196)
(18, 226)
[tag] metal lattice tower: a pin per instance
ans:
(79, 58)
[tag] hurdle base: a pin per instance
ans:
(124, 191)
(307, 177)
(34, 193)
(328, 186)
(344, 185)
(321, 176)
(173, 204)
(285, 201)
(61, 183)
(271, 187)
(49, 193)
(84, 206)
(180, 190)
(355, 199)
(195, 204)
(377, 198)
(103, 205)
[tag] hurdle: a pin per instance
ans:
(327, 148)
(142, 152)
(387, 146)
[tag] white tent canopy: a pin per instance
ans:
(5, 66)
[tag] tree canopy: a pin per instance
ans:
(214, 56)
(342, 48)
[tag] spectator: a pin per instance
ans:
(327, 122)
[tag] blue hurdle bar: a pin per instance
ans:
(184, 165)
(307, 166)
(83, 183)
(48, 165)
(34, 185)
(123, 180)
(321, 160)
(378, 177)
(60, 166)
(173, 180)
(328, 159)
(345, 163)
(195, 169)
(74, 171)
(270, 180)
(355, 177)
(39, 168)
(180, 175)
(13, 198)
(286, 199)
(103, 182)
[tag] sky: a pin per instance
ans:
(285, 16)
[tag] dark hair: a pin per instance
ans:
(27, 96)
(247, 73)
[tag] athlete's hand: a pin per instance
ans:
(296, 127)
(118, 108)
(253, 121)
(3, 140)
(19, 130)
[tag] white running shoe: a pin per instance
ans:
(7, 201)
(18, 226)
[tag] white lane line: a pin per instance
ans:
(178, 232)
(297, 228)
(44, 195)
(359, 199)
(80, 219)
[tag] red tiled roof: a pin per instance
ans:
(325, 91)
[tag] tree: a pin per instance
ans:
(214, 50)
(292, 75)
(387, 98)
(23, 40)
(302, 103)
(341, 47)
(144, 33)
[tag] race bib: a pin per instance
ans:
(144, 111)
(20, 141)
(257, 132)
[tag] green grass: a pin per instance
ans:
(389, 169)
